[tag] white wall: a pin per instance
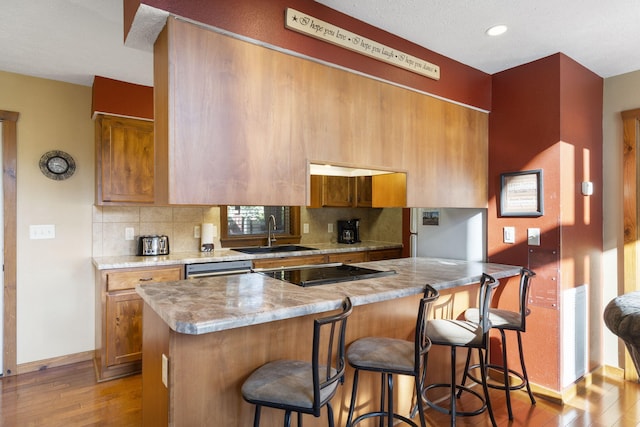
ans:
(55, 286)
(621, 93)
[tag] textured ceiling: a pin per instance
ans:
(73, 40)
(603, 36)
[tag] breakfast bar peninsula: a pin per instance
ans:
(203, 337)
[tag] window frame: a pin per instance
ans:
(227, 241)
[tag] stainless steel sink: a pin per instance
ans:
(273, 249)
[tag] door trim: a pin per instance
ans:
(630, 188)
(9, 169)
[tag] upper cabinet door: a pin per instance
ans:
(124, 161)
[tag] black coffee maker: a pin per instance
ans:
(349, 231)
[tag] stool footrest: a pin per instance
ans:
(459, 389)
(382, 414)
(520, 385)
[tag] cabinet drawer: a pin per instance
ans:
(383, 254)
(289, 261)
(118, 280)
(348, 257)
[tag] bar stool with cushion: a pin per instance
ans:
(300, 386)
(390, 356)
(505, 320)
(465, 334)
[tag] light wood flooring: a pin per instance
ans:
(69, 396)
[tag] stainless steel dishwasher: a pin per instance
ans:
(221, 268)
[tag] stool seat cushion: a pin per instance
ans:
(454, 333)
(286, 382)
(501, 319)
(379, 353)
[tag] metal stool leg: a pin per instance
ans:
(506, 373)
(390, 403)
(524, 369)
(485, 387)
(353, 396)
(453, 386)
(256, 417)
(465, 373)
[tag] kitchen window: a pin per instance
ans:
(247, 225)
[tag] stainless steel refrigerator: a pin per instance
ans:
(455, 233)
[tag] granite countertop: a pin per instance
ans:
(224, 254)
(200, 306)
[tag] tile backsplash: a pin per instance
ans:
(110, 224)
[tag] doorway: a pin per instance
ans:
(631, 187)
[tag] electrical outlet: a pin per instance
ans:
(330, 227)
(128, 233)
(305, 228)
(196, 232)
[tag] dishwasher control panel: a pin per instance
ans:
(207, 269)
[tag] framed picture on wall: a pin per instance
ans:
(521, 193)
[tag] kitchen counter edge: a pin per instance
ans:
(214, 304)
(228, 254)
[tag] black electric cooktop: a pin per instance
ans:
(313, 276)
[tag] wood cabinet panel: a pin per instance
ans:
(382, 254)
(118, 280)
(124, 161)
(348, 257)
(363, 191)
(123, 328)
(228, 105)
(119, 317)
(247, 120)
(289, 261)
(387, 190)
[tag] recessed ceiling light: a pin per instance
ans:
(496, 30)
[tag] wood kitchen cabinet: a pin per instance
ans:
(125, 161)
(289, 261)
(382, 254)
(332, 191)
(351, 257)
(290, 111)
(386, 190)
(119, 318)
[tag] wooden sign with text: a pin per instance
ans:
(305, 24)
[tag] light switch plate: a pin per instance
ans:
(196, 231)
(45, 231)
(305, 228)
(533, 236)
(330, 227)
(509, 234)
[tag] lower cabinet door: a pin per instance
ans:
(123, 327)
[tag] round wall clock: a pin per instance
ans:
(57, 165)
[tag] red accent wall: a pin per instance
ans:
(548, 115)
(122, 99)
(264, 20)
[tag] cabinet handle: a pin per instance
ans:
(147, 279)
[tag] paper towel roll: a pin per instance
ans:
(206, 236)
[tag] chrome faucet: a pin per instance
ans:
(270, 238)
